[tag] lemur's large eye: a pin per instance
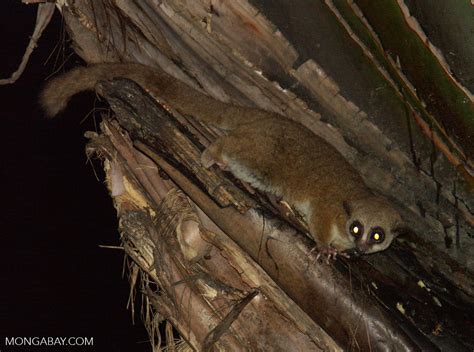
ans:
(377, 235)
(356, 229)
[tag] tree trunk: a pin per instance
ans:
(221, 264)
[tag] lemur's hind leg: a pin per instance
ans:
(238, 153)
(225, 151)
(213, 155)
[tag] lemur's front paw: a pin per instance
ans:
(330, 253)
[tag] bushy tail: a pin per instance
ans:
(57, 92)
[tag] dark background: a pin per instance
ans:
(55, 280)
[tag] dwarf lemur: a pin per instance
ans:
(267, 150)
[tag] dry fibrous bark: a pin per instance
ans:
(209, 288)
(333, 67)
(351, 300)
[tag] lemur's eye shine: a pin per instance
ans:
(356, 229)
(377, 235)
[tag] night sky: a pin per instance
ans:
(55, 280)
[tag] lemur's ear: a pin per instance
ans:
(400, 230)
(347, 207)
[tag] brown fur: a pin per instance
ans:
(265, 149)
